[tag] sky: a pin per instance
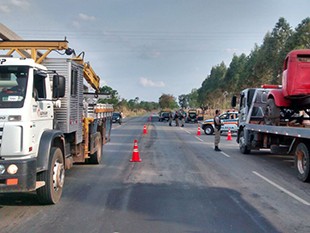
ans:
(146, 48)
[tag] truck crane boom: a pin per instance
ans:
(36, 46)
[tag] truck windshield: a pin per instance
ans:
(13, 85)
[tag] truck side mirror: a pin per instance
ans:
(234, 101)
(59, 86)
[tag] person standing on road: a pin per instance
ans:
(170, 118)
(217, 130)
(182, 118)
(176, 118)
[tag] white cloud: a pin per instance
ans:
(20, 3)
(78, 22)
(149, 83)
(5, 9)
(85, 17)
(13, 4)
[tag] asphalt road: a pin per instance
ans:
(181, 185)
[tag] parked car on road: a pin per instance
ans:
(117, 118)
(192, 117)
(230, 120)
(164, 116)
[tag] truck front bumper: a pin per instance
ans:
(23, 180)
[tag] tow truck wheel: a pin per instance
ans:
(302, 162)
(209, 130)
(272, 113)
(53, 177)
(95, 158)
(242, 145)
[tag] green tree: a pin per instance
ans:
(167, 101)
(212, 86)
(193, 99)
(300, 38)
(114, 97)
(183, 101)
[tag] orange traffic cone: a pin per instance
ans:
(144, 130)
(198, 131)
(135, 152)
(228, 135)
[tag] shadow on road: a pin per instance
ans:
(192, 209)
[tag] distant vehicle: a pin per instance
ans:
(164, 116)
(230, 120)
(154, 117)
(192, 117)
(117, 117)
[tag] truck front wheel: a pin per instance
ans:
(53, 177)
(302, 162)
(242, 144)
(272, 113)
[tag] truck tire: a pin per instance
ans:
(302, 162)
(96, 157)
(53, 177)
(208, 130)
(272, 113)
(244, 149)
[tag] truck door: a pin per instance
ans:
(243, 107)
(42, 108)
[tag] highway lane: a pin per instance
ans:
(181, 185)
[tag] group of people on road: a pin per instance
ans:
(179, 115)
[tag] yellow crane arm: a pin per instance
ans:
(22, 47)
(34, 46)
(91, 77)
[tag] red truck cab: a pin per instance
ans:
(294, 93)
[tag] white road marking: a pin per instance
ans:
(283, 189)
(225, 154)
(186, 131)
(199, 138)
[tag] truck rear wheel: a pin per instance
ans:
(53, 177)
(272, 113)
(96, 157)
(242, 144)
(302, 162)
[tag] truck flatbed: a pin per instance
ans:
(298, 132)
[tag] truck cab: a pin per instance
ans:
(285, 101)
(26, 113)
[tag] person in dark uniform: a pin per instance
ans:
(170, 118)
(176, 118)
(217, 130)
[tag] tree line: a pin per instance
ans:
(262, 66)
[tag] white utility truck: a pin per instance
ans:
(46, 123)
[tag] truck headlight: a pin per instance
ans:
(2, 169)
(12, 169)
(15, 118)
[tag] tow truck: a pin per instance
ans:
(277, 116)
